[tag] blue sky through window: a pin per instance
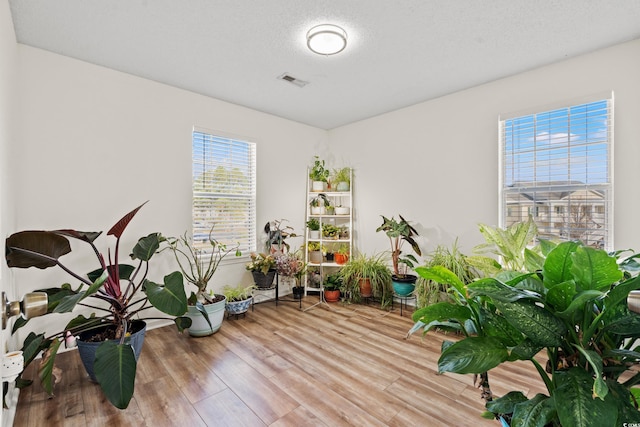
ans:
(562, 145)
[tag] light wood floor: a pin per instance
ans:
(279, 366)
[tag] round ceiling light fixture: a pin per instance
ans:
(326, 39)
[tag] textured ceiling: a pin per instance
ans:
(399, 52)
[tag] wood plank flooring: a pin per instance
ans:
(278, 366)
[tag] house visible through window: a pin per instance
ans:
(556, 166)
(224, 190)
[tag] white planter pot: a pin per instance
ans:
(342, 186)
(199, 326)
(318, 210)
(314, 234)
(342, 210)
(317, 186)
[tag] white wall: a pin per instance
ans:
(7, 100)
(436, 163)
(93, 143)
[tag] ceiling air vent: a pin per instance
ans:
(289, 78)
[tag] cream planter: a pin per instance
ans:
(199, 326)
(314, 234)
(342, 210)
(315, 257)
(318, 210)
(317, 186)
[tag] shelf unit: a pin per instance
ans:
(314, 283)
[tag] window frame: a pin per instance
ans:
(248, 238)
(507, 187)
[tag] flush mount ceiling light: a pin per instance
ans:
(326, 39)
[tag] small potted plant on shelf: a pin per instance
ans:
(330, 231)
(341, 210)
(341, 178)
(366, 276)
(315, 252)
(400, 232)
(291, 265)
(318, 174)
(109, 343)
(319, 204)
(238, 298)
(262, 267)
(332, 284)
(342, 255)
(314, 228)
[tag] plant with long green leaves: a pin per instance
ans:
(123, 287)
(510, 244)
(399, 231)
(574, 307)
(372, 267)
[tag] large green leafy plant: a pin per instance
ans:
(573, 306)
(119, 292)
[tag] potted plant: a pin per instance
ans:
(400, 232)
(332, 284)
(263, 269)
(124, 288)
(428, 291)
(318, 175)
(198, 263)
(315, 252)
(341, 210)
(320, 204)
(314, 228)
(342, 255)
(368, 276)
(341, 178)
(238, 298)
(330, 231)
(291, 265)
(277, 234)
(573, 306)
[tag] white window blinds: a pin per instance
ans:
(224, 191)
(556, 166)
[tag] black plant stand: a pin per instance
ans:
(403, 300)
(276, 286)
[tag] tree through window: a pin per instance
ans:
(224, 190)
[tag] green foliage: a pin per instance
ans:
(318, 172)
(400, 232)
(342, 175)
(374, 268)
(123, 290)
(509, 244)
(313, 224)
(429, 291)
(199, 265)
(332, 282)
(237, 293)
(578, 314)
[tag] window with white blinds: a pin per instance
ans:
(224, 191)
(556, 167)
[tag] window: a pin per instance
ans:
(224, 190)
(556, 166)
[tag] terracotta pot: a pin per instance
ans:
(341, 258)
(332, 296)
(365, 288)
